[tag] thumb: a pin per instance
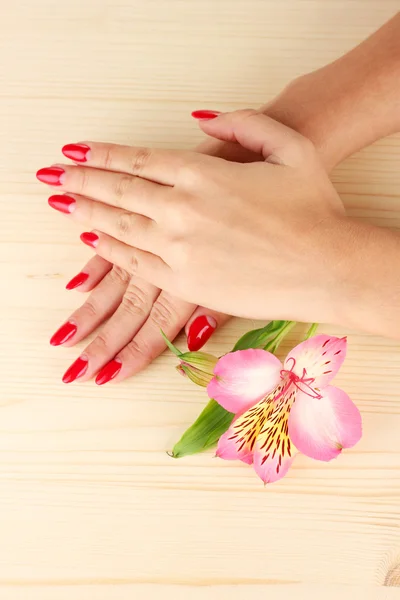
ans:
(260, 134)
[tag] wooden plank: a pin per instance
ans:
(91, 506)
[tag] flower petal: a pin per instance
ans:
(321, 356)
(274, 451)
(321, 428)
(272, 468)
(238, 442)
(242, 378)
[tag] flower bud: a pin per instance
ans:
(198, 366)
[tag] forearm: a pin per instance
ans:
(342, 107)
(349, 103)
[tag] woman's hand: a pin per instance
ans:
(131, 310)
(254, 240)
(130, 340)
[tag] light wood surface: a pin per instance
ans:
(91, 506)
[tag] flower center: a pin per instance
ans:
(303, 383)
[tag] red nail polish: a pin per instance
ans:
(65, 333)
(108, 372)
(77, 369)
(90, 239)
(77, 152)
(200, 331)
(77, 281)
(205, 115)
(51, 175)
(64, 204)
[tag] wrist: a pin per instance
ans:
(364, 283)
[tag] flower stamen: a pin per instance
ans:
(303, 383)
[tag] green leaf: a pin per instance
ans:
(274, 343)
(205, 432)
(214, 420)
(257, 338)
(312, 331)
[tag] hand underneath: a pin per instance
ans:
(130, 340)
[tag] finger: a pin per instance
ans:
(201, 326)
(260, 134)
(120, 224)
(117, 189)
(92, 273)
(136, 262)
(132, 312)
(102, 302)
(169, 314)
(156, 165)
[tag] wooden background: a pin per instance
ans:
(91, 506)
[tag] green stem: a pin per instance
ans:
(273, 344)
(170, 345)
(312, 330)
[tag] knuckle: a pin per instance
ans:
(163, 313)
(90, 308)
(139, 160)
(135, 301)
(139, 351)
(100, 343)
(84, 180)
(246, 113)
(109, 156)
(122, 186)
(133, 263)
(124, 225)
(119, 275)
(179, 253)
(92, 211)
(177, 217)
(193, 174)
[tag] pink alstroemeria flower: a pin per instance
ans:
(285, 409)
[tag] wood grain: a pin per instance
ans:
(91, 506)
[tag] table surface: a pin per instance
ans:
(91, 506)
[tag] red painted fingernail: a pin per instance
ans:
(108, 372)
(205, 115)
(90, 239)
(51, 175)
(65, 333)
(64, 204)
(77, 281)
(77, 152)
(77, 369)
(200, 331)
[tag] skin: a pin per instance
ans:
(341, 108)
(199, 228)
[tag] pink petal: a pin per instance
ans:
(238, 442)
(228, 449)
(321, 356)
(272, 469)
(242, 378)
(274, 451)
(321, 428)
